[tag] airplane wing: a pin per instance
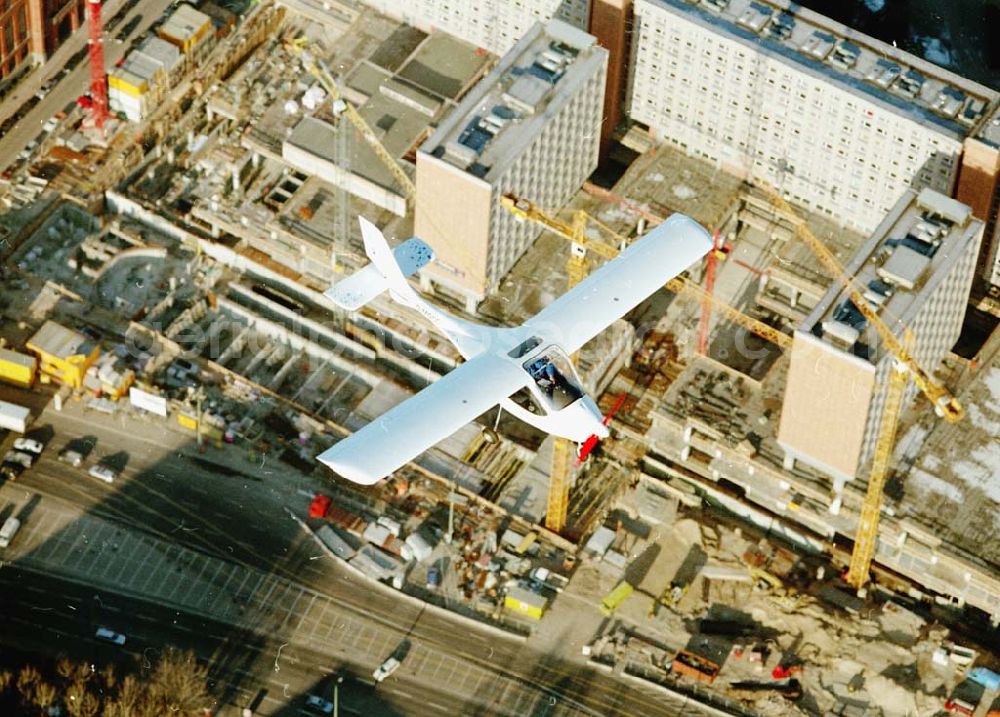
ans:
(401, 434)
(623, 283)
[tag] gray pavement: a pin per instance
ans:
(58, 540)
(213, 544)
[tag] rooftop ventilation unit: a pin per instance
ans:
(555, 58)
(884, 73)
(563, 49)
(781, 27)
(927, 229)
(755, 17)
(972, 111)
(909, 84)
(526, 93)
(840, 333)
(818, 45)
(949, 101)
(460, 154)
(904, 267)
(938, 205)
(715, 5)
(845, 55)
(878, 292)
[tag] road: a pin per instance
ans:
(163, 494)
(76, 82)
(51, 616)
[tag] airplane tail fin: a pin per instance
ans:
(388, 270)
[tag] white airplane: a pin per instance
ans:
(525, 369)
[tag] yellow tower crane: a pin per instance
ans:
(906, 367)
(577, 268)
(320, 71)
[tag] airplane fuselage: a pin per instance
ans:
(555, 404)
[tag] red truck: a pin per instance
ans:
(322, 507)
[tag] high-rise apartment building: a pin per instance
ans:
(979, 187)
(843, 124)
(916, 270)
(531, 127)
(611, 22)
(494, 25)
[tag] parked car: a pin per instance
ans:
(316, 703)
(21, 457)
(29, 445)
(386, 669)
(107, 635)
(68, 455)
(103, 472)
(45, 89)
(11, 471)
(8, 531)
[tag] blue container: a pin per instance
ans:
(982, 676)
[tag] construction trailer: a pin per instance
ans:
(63, 354)
(13, 417)
(18, 369)
(526, 602)
(616, 597)
(694, 666)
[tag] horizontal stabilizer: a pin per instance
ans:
(364, 285)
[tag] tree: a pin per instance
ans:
(129, 701)
(6, 679)
(178, 684)
(45, 696)
(27, 684)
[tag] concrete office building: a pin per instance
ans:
(843, 124)
(16, 44)
(916, 270)
(979, 187)
(610, 22)
(31, 30)
(494, 25)
(530, 127)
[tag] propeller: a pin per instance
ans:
(588, 445)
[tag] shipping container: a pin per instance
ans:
(18, 369)
(694, 666)
(13, 417)
(525, 602)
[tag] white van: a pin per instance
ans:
(8, 531)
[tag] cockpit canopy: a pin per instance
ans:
(556, 384)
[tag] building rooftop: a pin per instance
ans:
(57, 340)
(144, 62)
(954, 484)
(989, 132)
(910, 253)
(511, 104)
(160, 51)
(185, 24)
(897, 80)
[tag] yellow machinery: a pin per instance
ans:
(577, 267)
(576, 270)
(319, 70)
(867, 533)
(615, 598)
(946, 405)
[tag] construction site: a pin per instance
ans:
(796, 511)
